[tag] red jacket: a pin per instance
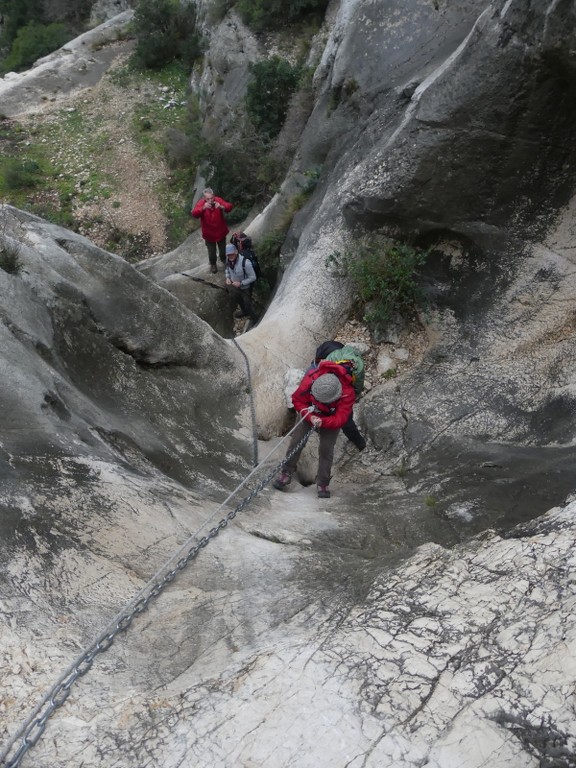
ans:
(214, 227)
(334, 415)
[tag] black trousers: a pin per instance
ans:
(353, 434)
(212, 247)
(242, 298)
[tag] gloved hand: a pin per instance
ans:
(316, 421)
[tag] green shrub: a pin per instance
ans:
(274, 14)
(242, 173)
(166, 30)
(385, 278)
(18, 174)
(16, 14)
(272, 82)
(62, 216)
(10, 258)
(32, 42)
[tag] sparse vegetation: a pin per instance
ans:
(17, 175)
(272, 83)
(385, 276)
(166, 31)
(10, 256)
(274, 14)
(401, 470)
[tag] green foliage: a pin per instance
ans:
(241, 172)
(17, 14)
(32, 42)
(165, 31)
(16, 175)
(10, 257)
(401, 470)
(430, 501)
(268, 250)
(272, 82)
(274, 14)
(385, 278)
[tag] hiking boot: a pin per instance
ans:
(213, 269)
(282, 480)
(360, 443)
(323, 492)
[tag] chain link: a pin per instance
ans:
(33, 731)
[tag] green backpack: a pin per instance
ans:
(351, 360)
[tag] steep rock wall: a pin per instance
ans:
(294, 623)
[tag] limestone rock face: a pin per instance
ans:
(97, 358)
(437, 142)
(414, 618)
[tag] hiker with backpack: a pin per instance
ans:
(210, 210)
(245, 248)
(324, 398)
(348, 356)
(240, 277)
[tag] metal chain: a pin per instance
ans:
(34, 727)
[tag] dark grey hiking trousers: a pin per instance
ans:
(328, 439)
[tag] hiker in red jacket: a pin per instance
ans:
(324, 398)
(210, 210)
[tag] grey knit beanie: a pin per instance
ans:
(327, 388)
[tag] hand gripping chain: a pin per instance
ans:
(34, 727)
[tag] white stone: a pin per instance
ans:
(384, 363)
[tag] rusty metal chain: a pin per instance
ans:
(34, 727)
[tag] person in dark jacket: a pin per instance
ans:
(240, 277)
(324, 398)
(210, 210)
(327, 350)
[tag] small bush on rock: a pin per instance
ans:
(10, 258)
(386, 280)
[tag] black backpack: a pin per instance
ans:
(245, 249)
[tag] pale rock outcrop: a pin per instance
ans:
(458, 657)
(221, 85)
(77, 65)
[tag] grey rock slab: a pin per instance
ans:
(78, 64)
(455, 657)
